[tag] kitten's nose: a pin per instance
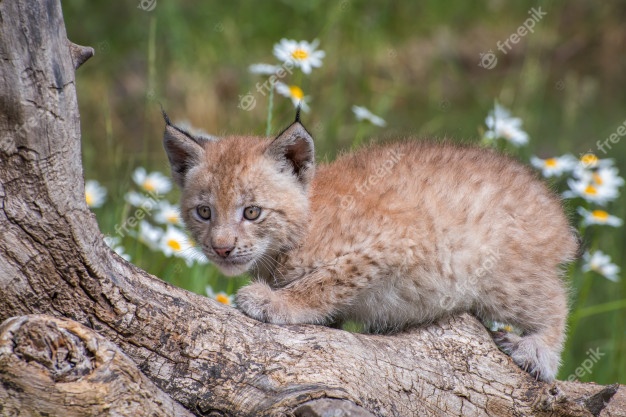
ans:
(224, 252)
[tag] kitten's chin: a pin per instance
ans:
(232, 269)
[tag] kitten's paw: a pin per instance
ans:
(254, 299)
(529, 353)
(506, 341)
(260, 302)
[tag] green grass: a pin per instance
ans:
(413, 63)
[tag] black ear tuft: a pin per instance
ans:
(298, 113)
(198, 139)
(165, 116)
(183, 149)
(294, 148)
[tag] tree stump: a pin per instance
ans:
(49, 364)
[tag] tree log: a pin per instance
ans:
(210, 358)
(57, 364)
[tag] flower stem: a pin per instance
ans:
(600, 308)
(270, 108)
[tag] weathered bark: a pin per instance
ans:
(57, 364)
(210, 358)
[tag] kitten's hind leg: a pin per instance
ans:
(538, 349)
(531, 352)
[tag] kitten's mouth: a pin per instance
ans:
(234, 266)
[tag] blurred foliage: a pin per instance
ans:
(413, 63)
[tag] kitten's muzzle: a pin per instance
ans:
(223, 252)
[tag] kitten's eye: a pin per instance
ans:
(251, 213)
(204, 212)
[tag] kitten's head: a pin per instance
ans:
(244, 199)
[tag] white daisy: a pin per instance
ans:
(601, 263)
(221, 296)
(497, 326)
(195, 255)
(302, 54)
(140, 200)
(590, 160)
(295, 93)
(599, 217)
(167, 213)
(114, 243)
(264, 69)
(599, 186)
(155, 182)
(556, 166)
(149, 235)
(95, 194)
(363, 113)
(500, 124)
(174, 242)
(590, 191)
(607, 177)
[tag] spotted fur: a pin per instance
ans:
(391, 236)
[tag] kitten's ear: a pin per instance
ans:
(294, 150)
(183, 149)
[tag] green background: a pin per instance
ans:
(413, 63)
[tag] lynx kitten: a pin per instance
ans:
(390, 236)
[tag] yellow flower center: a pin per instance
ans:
(597, 178)
(600, 215)
(296, 92)
(589, 159)
(174, 244)
(591, 190)
(149, 185)
(300, 54)
(172, 218)
(551, 162)
(222, 298)
(89, 199)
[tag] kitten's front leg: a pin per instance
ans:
(259, 301)
(317, 298)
